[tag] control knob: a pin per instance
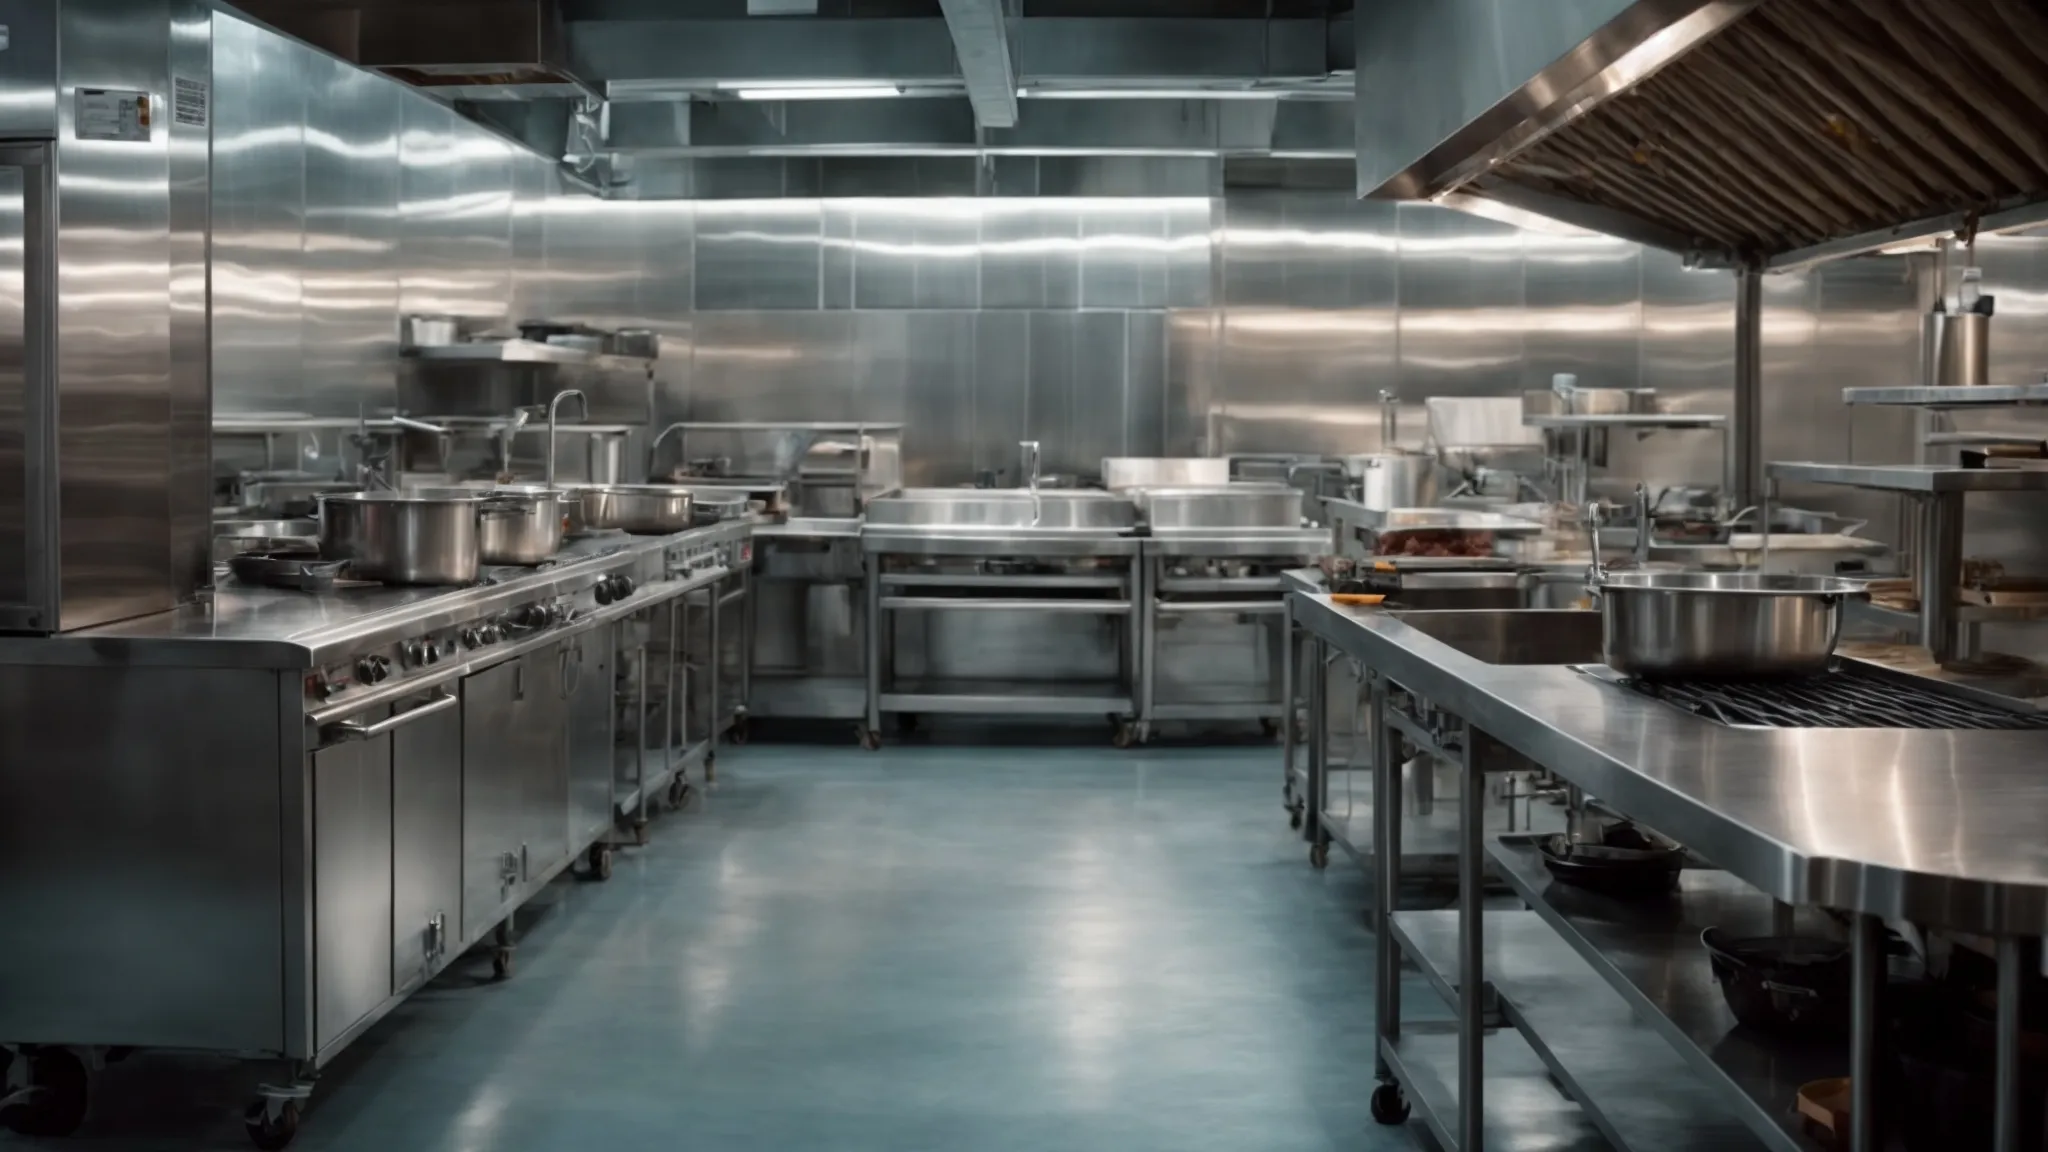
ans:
(613, 588)
(472, 637)
(373, 669)
(531, 616)
(414, 652)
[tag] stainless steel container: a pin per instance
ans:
(1962, 357)
(645, 509)
(525, 525)
(428, 536)
(1224, 506)
(1685, 624)
(1389, 480)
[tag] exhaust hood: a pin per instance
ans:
(1769, 132)
(464, 47)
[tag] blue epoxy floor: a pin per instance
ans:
(926, 948)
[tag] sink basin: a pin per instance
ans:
(1519, 636)
(944, 509)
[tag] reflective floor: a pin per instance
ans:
(926, 948)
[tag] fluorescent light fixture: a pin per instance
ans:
(808, 90)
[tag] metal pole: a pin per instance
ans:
(1386, 820)
(668, 714)
(1318, 790)
(1287, 657)
(1746, 437)
(714, 604)
(1937, 568)
(2006, 1115)
(1148, 639)
(1866, 1026)
(1471, 948)
(875, 627)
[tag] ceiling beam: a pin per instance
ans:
(651, 59)
(981, 39)
(939, 126)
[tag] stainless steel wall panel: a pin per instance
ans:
(938, 402)
(1024, 243)
(259, 186)
(1123, 255)
(1461, 304)
(26, 573)
(878, 350)
(1049, 393)
(28, 86)
(1189, 224)
(884, 253)
(1583, 309)
(1192, 391)
(1688, 356)
(455, 209)
(946, 254)
(1144, 415)
(838, 259)
(773, 366)
(1099, 404)
(758, 254)
(348, 275)
(1002, 383)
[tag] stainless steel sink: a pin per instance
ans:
(941, 509)
(1519, 636)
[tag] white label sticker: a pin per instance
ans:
(188, 101)
(112, 114)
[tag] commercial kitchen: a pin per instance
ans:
(890, 573)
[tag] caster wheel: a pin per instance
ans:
(678, 791)
(1388, 1105)
(1269, 726)
(870, 739)
(739, 733)
(268, 1132)
(908, 722)
(1125, 736)
(1319, 856)
(600, 862)
(501, 964)
(54, 1104)
(1294, 819)
(640, 833)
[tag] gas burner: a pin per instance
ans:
(1846, 697)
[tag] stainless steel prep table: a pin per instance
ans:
(1937, 827)
(1107, 592)
(268, 819)
(1212, 647)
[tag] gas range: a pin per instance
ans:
(1851, 695)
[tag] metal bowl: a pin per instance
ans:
(643, 509)
(1705, 624)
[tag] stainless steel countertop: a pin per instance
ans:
(812, 528)
(1938, 827)
(269, 627)
(1912, 477)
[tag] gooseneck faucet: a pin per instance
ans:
(1028, 467)
(554, 409)
(654, 449)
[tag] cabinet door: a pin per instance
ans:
(351, 882)
(426, 848)
(543, 733)
(590, 736)
(491, 796)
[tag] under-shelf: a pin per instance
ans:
(1650, 953)
(1925, 478)
(1642, 420)
(1988, 396)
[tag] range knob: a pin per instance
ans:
(472, 638)
(613, 588)
(372, 670)
(432, 655)
(492, 632)
(531, 616)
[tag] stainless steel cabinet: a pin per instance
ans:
(351, 882)
(426, 839)
(542, 724)
(591, 675)
(492, 831)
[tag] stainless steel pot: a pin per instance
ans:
(525, 525)
(1683, 624)
(1390, 480)
(426, 536)
(645, 509)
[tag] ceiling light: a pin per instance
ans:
(793, 90)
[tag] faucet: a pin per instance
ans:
(1644, 523)
(1028, 467)
(1596, 515)
(554, 407)
(654, 449)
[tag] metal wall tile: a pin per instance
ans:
(878, 353)
(1049, 395)
(1098, 406)
(758, 254)
(1460, 299)
(259, 181)
(947, 255)
(782, 365)
(1145, 397)
(837, 261)
(1002, 389)
(349, 284)
(884, 254)
(938, 399)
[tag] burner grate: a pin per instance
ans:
(1844, 698)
